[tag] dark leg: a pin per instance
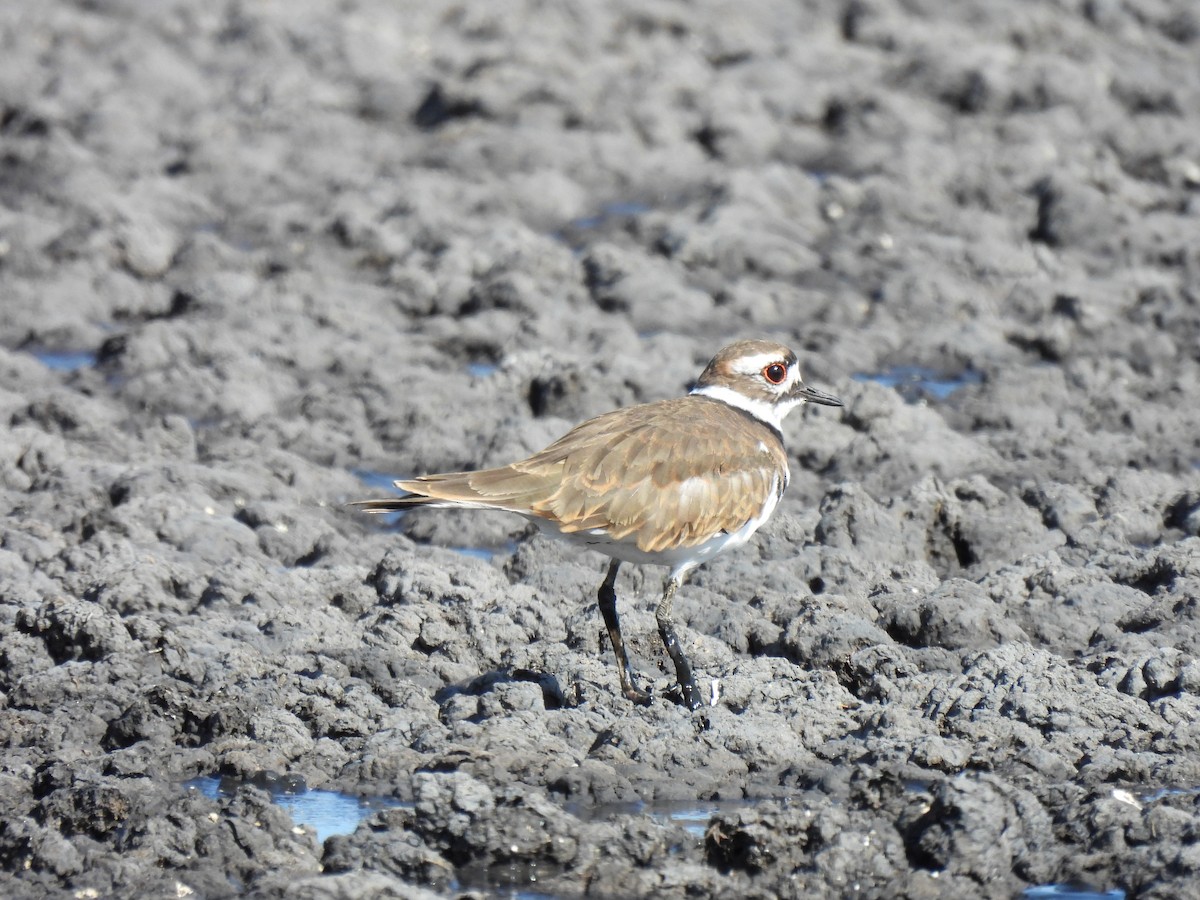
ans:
(607, 596)
(666, 630)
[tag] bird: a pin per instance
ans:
(669, 483)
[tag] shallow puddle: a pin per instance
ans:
(915, 383)
(608, 213)
(692, 815)
(334, 812)
(612, 216)
(376, 481)
(65, 360)
(326, 812)
(1155, 796)
(1069, 892)
(487, 554)
(482, 369)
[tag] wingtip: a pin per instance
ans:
(377, 507)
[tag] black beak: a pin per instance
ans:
(812, 395)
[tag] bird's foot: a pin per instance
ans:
(635, 694)
(688, 696)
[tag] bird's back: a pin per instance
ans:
(660, 476)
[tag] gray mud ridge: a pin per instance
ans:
(251, 253)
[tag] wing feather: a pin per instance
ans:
(658, 474)
(677, 496)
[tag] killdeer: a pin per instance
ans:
(671, 483)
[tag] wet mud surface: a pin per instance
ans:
(259, 258)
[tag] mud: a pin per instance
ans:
(257, 258)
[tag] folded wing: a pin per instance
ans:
(647, 475)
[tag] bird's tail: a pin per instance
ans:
(488, 489)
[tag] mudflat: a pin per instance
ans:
(258, 258)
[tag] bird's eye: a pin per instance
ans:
(775, 373)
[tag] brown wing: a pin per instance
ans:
(661, 474)
(679, 490)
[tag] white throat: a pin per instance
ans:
(769, 413)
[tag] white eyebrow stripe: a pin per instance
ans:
(752, 365)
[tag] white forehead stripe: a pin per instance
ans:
(752, 365)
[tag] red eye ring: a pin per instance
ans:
(775, 373)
